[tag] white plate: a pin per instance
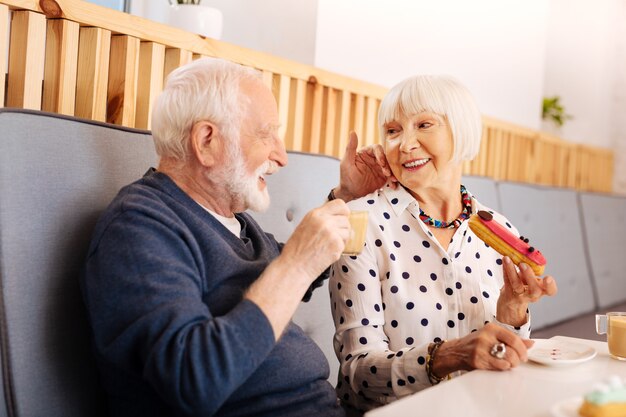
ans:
(567, 408)
(560, 352)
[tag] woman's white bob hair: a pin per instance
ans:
(444, 96)
(206, 89)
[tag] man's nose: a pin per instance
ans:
(279, 154)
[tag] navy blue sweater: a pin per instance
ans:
(163, 286)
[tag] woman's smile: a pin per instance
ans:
(415, 164)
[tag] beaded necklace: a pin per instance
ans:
(466, 201)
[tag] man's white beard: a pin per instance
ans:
(243, 188)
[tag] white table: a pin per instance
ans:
(529, 390)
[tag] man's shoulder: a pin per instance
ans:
(139, 195)
(138, 199)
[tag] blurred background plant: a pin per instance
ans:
(554, 111)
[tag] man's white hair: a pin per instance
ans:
(206, 89)
(444, 96)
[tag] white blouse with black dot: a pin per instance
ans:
(403, 292)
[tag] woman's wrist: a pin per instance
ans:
(513, 315)
(435, 373)
(448, 359)
(340, 193)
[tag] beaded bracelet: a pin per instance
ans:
(432, 351)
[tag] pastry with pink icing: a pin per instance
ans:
(506, 243)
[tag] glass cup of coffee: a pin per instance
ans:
(613, 324)
(358, 226)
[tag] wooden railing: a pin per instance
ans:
(77, 58)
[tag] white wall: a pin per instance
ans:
(586, 66)
(284, 28)
(495, 48)
(580, 46)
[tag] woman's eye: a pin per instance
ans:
(425, 125)
(391, 131)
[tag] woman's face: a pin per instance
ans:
(419, 150)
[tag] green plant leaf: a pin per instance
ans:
(554, 111)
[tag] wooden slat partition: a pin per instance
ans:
(175, 58)
(295, 127)
(61, 63)
(315, 96)
(151, 66)
(74, 57)
(26, 60)
(123, 80)
(93, 73)
(4, 46)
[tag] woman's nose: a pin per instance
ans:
(408, 142)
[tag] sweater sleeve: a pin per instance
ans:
(144, 295)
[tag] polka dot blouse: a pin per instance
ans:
(403, 292)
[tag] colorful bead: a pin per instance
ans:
(466, 200)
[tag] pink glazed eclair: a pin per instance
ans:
(506, 243)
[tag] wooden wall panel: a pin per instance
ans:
(4, 49)
(61, 64)
(123, 73)
(315, 103)
(371, 117)
(357, 117)
(94, 48)
(26, 60)
(344, 122)
(330, 123)
(174, 58)
(150, 83)
(294, 139)
(283, 95)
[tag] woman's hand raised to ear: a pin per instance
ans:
(363, 171)
(520, 288)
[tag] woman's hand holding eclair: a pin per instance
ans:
(521, 287)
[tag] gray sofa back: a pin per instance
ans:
(56, 176)
(550, 218)
(604, 225)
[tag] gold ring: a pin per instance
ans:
(521, 292)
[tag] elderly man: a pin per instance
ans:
(189, 300)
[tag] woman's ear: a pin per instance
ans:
(204, 143)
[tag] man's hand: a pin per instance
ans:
(316, 243)
(362, 172)
(319, 239)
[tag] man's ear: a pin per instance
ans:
(204, 143)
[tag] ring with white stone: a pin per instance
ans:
(498, 350)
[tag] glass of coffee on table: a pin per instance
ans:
(613, 324)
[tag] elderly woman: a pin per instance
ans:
(426, 298)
